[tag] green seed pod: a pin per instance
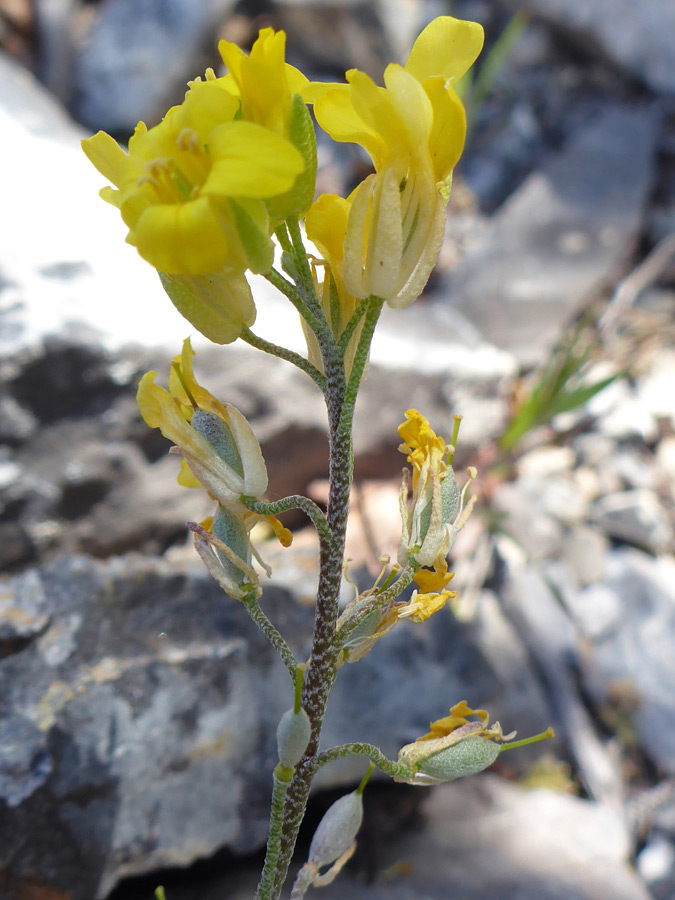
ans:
(337, 830)
(293, 736)
(217, 433)
(466, 757)
(302, 135)
(230, 529)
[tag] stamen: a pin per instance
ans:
(188, 139)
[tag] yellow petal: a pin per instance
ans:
(109, 158)
(326, 225)
(446, 47)
(413, 109)
(251, 161)
(184, 237)
(207, 104)
(336, 114)
(187, 479)
(448, 132)
(429, 581)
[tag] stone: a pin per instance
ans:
(633, 646)
(635, 517)
(137, 58)
(656, 865)
(584, 549)
(633, 34)
(657, 387)
(525, 519)
(140, 708)
(558, 237)
(478, 837)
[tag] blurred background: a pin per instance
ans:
(138, 707)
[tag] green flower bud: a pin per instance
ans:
(217, 304)
(337, 830)
(293, 736)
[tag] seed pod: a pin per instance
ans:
(293, 736)
(468, 756)
(337, 830)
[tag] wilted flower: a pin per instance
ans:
(455, 747)
(437, 510)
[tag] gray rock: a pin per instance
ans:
(137, 58)
(525, 518)
(635, 517)
(480, 837)
(584, 550)
(140, 709)
(531, 845)
(137, 726)
(634, 34)
(656, 865)
(633, 646)
(557, 238)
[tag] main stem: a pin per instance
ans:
(321, 670)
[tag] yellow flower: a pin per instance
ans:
(190, 190)
(214, 438)
(455, 746)
(264, 81)
(326, 226)
(270, 91)
(436, 511)
(413, 128)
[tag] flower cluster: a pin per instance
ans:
(413, 129)
(203, 191)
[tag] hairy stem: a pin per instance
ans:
(255, 612)
(359, 363)
(295, 501)
(282, 777)
(284, 353)
(374, 754)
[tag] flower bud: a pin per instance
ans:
(217, 304)
(337, 830)
(293, 736)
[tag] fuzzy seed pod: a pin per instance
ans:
(337, 830)
(293, 736)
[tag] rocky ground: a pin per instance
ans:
(138, 704)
